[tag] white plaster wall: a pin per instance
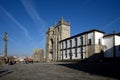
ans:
(84, 55)
(68, 51)
(117, 40)
(78, 41)
(68, 43)
(83, 39)
(64, 57)
(108, 42)
(61, 54)
(83, 49)
(73, 53)
(73, 42)
(78, 53)
(80, 49)
(64, 45)
(61, 45)
(98, 36)
(90, 36)
(103, 42)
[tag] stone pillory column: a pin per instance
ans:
(5, 43)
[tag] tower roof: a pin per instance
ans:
(62, 21)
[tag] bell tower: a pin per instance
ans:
(62, 30)
(53, 35)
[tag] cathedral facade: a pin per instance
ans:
(92, 45)
(53, 35)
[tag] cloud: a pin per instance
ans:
(25, 31)
(32, 12)
(39, 22)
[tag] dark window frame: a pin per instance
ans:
(66, 55)
(89, 41)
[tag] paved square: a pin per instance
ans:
(47, 71)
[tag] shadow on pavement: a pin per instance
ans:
(4, 72)
(111, 70)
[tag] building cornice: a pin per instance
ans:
(86, 32)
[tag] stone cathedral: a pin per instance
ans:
(53, 35)
(92, 45)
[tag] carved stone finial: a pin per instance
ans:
(62, 20)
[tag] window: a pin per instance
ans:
(99, 42)
(82, 41)
(66, 43)
(76, 47)
(66, 55)
(89, 42)
(76, 52)
(76, 42)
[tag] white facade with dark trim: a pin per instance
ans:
(90, 44)
(81, 46)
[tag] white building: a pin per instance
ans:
(112, 45)
(82, 45)
(90, 44)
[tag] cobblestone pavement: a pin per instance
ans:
(45, 71)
